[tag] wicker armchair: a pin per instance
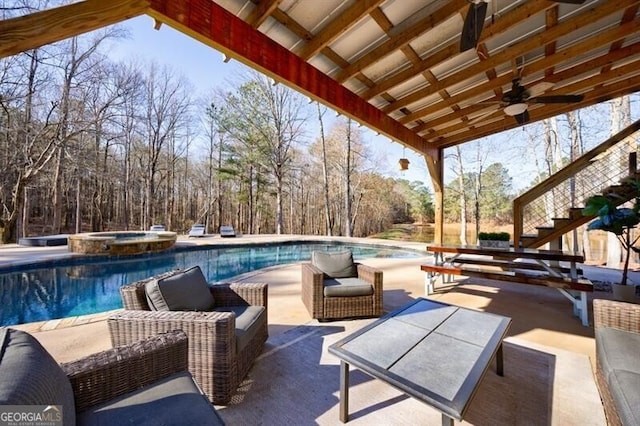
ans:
(146, 382)
(617, 332)
(219, 358)
(325, 307)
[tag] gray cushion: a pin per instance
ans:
(625, 390)
(30, 376)
(175, 400)
(345, 287)
(249, 319)
(335, 265)
(181, 291)
(617, 350)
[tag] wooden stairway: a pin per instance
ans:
(596, 171)
(618, 194)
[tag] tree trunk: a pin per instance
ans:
(78, 227)
(619, 113)
(9, 228)
(347, 184)
(576, 151)
(553, 161)
(476, 202)
(463, 198)
(219, 188)
(57, 190)
(325, 175)
(279, 202)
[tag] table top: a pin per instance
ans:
(511, 252)
(435, 352)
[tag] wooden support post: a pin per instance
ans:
(435, 165)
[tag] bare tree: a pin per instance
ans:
(78, 56)
(325, 172)
(576, 150)
(28, 144)
(166, 111)
(463, 196)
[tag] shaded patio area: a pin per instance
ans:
(548, 356)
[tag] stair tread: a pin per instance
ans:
(619, 193)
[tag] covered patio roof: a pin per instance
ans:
(397, 66)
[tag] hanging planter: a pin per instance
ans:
(404, 164)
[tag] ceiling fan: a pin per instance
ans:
(516, 101)
(474, 22)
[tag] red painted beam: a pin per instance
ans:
(213, 25)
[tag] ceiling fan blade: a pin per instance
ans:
(540, 88)
(483, 115)
(557, 99)
(473, 23)
(522, 118)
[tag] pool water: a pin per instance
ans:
(71, 287)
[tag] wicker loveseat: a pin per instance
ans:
(146, 383)
(617, 332)
(225, 336)
(334, 287)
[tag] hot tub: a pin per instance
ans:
(121, 243)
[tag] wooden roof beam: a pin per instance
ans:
(262, 11)
(551, 19)
(213, 25)
(505, 22)
(577, 87)
(402, 34)
(338, 26)
(586, 45)
(628, 16)
(587, 17)
(601, 61)
(533, 111)
(592, 97)
(49, 26)
(302, 33)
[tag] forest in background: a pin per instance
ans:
(92, 144)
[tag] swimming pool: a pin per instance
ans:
(79, 286)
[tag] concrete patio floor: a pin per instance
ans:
(541, 316)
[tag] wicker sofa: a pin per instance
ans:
(146, 383)
(224, 339)
(335, 287)
(617, 332)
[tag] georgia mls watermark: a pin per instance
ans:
(30, 415)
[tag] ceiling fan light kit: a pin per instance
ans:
(515, 109)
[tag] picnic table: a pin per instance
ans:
(551, 268)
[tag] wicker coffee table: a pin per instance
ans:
(432, 351)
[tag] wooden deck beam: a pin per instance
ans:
(49, 26)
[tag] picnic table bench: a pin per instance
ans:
(518, 265)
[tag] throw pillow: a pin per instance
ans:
(30, 376)
(335, 265)
(182, 291)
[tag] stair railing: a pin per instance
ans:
(571, 185)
